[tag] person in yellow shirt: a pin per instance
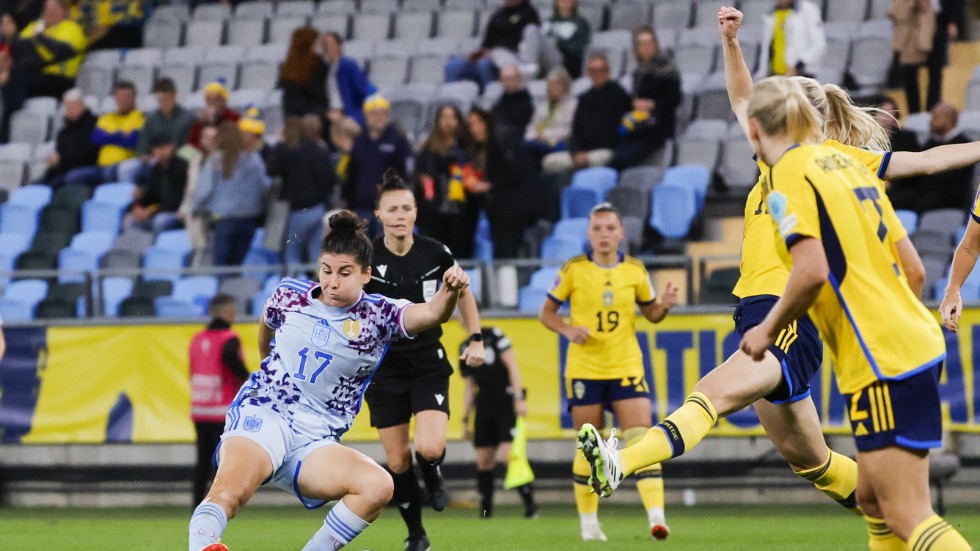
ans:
(604, 367)
(48, 51)
(111, 24)
(117, 134)
(964, 260)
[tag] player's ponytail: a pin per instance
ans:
(852, 125)
(346, 236)
(391, 181)
(782, 108)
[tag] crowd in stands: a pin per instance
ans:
(549, 89)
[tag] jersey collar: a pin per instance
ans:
(620, 256)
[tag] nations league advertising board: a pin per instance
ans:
(130, 383)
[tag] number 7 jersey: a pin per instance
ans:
(875, 326)
(322, 357)
(603, 300)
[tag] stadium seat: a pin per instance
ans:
(163, 264)
(388, 70)
(60, 220)
(50, 241)
(71, 196)
(169, 307)
(696, 58)
(456, 23)
(909, 219)
(295, 7)
(133, 240)
(673, 210)
(218, 11)
(529, 300)
(578, 202)
(173, 240)
(258, 258)
(120, 259)
(34, 196)
(543, 278)
(13, 310)
(717, 289)
(29, 126)
(704, 151)
(417, 24)
(846, 10)
(641, 177)
(11, 246)
(937, 244)
(672, 15)
(16, 218)
(572, 228)
(369, 25)
(408, 113)
(331, 22)
(258, 74)
(183, 74)
(95, 80)
(560, 248)
(945, 221)
(163, 32)
(73, 264)
(631, 201)
(116, 193)
(114, 290)
(242, 288)
(99, 216)
(600, 178)
(142, 76)
(217, 71)
(74, 294)
(195, 289)
(626, 14)
(694, 176)
(55, 309)
(251, 9)
(870, 59)
(95, 242)
(27, 291)
(135, 307)
(738, 168)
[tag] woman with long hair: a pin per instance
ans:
(413, 378)
(322, 341)
(566, 36)
(303, 76)
(439, 162)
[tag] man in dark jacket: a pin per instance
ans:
(513, 111)
(73, 144)
(595, 128)
(160, 194)
(501, 40)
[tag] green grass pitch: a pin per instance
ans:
(288, 528)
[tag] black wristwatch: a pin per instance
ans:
(476, 337)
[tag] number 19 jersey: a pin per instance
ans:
(322, 357)
(603, 299)
(870, 319)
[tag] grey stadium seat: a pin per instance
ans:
(142, 76)
(870, 59)
(95, 80)
(338, 23)
(246, 32)
(630, 200)
(427, 68)
(706, 13)
(947, 221)
(698, 150)
(189, 55)
(378, 6)
(737, 167)
(212, 11)
(456, 23)
(695, 58)
(409, 113)
(846, 10)
(359, 50)
(29, 126)
(204, 32)
(259, 73)
(371, 26)
(754, 10)
(594, 13)
(413, 25)
(675, 15)
(295, 7)
(625, 14)
(143, 56)
(183, 75)
(161, 32)
(211, 71)
(281, 28)
(644, 177)
(253, 9)
(172, 11)
(337, 6)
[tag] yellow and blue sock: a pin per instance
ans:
(936, 534)
(649, 480)
(881, 537)
(837, 479)
(682, 430)
(586, 500)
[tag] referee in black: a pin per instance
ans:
(413, 378)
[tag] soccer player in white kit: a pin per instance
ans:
(321, 343)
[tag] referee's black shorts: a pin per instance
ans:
(411, 381)
(493, 424)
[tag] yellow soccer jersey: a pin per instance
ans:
(604, 300)
(876, 328)
(762, 272)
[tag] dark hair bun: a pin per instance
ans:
(346, 220)
(391, 176)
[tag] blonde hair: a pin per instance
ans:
(781, 107)
(841, 120)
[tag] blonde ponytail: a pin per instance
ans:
(852, 125)
(781, 107)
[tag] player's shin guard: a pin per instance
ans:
(881, 537)
(207, 524)
(936, 534)
(408, 497)
(339, 528)
(837, 478)
(484, 484)
(585, 499)
(679, 432)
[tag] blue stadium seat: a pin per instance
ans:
(571, 228)
(173, 240)
(558, 248)
(25, 292)
(114, 291)
(259, 256)
(162, 259)
(959, 233)
(270, 284)
(95, 242)
(529, 300)
(258, 302)
(576, 202)
(696, 176)
(196, 290)
(13, 310)
(20, 219)
(909, 219)
(482, 248)
(476, 283)
(11, 245)
(673, 210)
(100, 216)
(543, 278)
(170, 307)
(73, 262)
(35, 196)
(116, 193)
(599, 178)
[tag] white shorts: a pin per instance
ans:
(287, 441)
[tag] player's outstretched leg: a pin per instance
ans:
(603, 457)
(206, 527)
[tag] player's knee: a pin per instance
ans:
(378, 488)
(868, 503)
(399, 464)
(430, 451)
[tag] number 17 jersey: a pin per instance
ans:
(603, 300)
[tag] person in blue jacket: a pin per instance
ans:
(347, 85)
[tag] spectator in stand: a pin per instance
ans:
(439, 191)
(117, 134)
(566, 35)
(303, 78)
(950, 20)
(499, 182)
(73, 145)
(47, 53)
(512, 37)
(232, 189)
(158, 197)
(308, 180)
(198, 223)
(913, 35)
(111, 24)
(656, 95)
(347, 85)
(513, 110)
(380, 146)
(949, 190)
(793, 39)
(552, 122)
(595, 127)
(169, 118)
(215, 112)
(23, 11)
(343, 132)
(253, 135)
